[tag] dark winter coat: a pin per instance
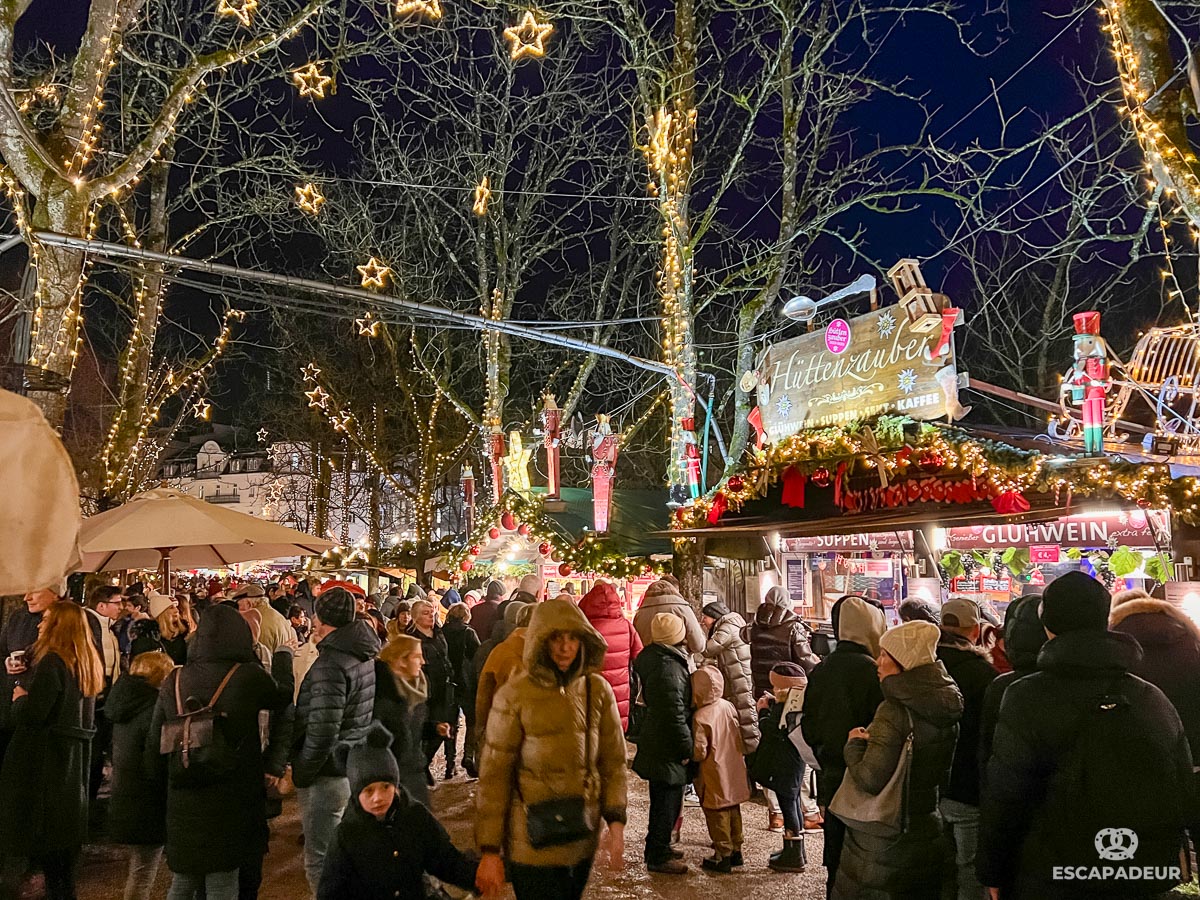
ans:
(1170, 656)
(777, 764)
(461, 646)
(137, 810)
(222, 825)
(439, 673)
(335, 703)
(19, 632)
(602, 607)
(843, 694)
(971, 671)
(1023, 640)
(912, 864)
(1028, 807)
(176, 648)
(776, 636)
(726, 647)
(406, 722)
(44, 778)
(484, 617)
(373, 859)
(665, 743)
(281, 723)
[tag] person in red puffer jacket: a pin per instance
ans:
(602, 607)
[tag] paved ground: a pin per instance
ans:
(102, 871)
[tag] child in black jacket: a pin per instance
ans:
(778, 764)
(387, 841)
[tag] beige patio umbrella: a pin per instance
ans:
(172, 528)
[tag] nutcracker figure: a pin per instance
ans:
(516, 464)
(496, 457)
(605, 446)
(691, 457)
(552, 425)
(1086, 383)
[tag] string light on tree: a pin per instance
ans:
(483, 193)
(430, 9)
(368, 325)
(309, 198)
(374, 274)
(528, 37)
(242, 10)
(312, 81)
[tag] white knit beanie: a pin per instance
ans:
(912, 644)
(667, 628)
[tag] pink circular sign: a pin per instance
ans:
(837, 336)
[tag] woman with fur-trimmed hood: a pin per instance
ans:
(1171, 652)
(539, 746)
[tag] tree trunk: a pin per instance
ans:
(688, 566)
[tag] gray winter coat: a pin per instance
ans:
(731, 654)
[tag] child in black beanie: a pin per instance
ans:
(387, 841)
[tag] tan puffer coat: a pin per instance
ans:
(534, 746)
(731, 654)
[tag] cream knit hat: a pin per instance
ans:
(667, 628)
(912, 644)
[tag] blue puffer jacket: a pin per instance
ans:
(336, 700)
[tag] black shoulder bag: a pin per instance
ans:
(566, 820)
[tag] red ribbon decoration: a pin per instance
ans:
(837, 484)
(717, 508)
(1010, 503)
(793, 487)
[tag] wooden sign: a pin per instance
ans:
(874, 364)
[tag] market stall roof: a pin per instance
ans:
(636, 522)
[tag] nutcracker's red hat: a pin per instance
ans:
(689, 424)
(1087, 322)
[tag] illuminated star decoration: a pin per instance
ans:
(342, 422)
(312, 81)
(374, 274)
(431, 9)
(309, 198)
(317, 398)
(483, 193)
(368, 325)
(202, 409)
(528, 36)
(241, 9)
(263, 434)
(310, 372)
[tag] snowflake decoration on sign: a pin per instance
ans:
(886, 325)
(908, 380)
(784, 405)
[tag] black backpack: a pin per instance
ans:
(1116, 787)
(195, 740)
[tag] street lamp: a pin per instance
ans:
(804, 309)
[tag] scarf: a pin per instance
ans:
(414, 691)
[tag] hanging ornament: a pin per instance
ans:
(493, 532)
(242, 10)
(544, 548)
(263, 435)
(309, 198)
(430, 9)
(202, 409)
(483, 193)
(528, 36)
(564, 570)
(368, 325)
(374, 274)
(735, 483)
(523, 530)
(821, 477)
(931, 461)
(310, 372)
(311, 81)
(466, 565)
(317, 398)
(473, 550)
(508, 521)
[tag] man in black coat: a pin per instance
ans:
(664, 748)
(334, 706)
(486, 613)
(843, 694)
(1090, 781)
(1023, 641)
(967, 664)
(777, 635)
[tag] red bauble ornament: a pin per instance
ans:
(466, 565)
(821, 477)
(544, 548)
(473, 550)
(493, 532)
(932, 461)
(508, 521)
(735, 483)
(523, 530)
(564, 570)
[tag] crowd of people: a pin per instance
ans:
(952, 758)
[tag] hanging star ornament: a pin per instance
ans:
(310, 372)
(528, 37)
(483, 193)
(342, 423)
(431, 9)
(242, 10)
(309, 198)
(202, 409)
(368, 325)
(317, 398)
(374, 274)
(263, 435)
(311, 81)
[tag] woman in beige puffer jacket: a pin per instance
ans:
(534, 751)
